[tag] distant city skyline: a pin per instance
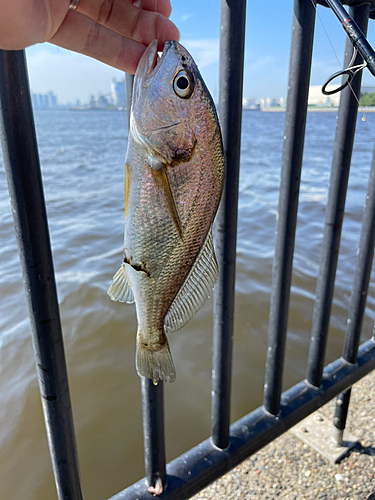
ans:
(117, 98)
(74, 76)
(44, 101)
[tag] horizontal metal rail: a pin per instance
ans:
(192, 471)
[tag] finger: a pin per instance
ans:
(162, 6)
(124, 17)
(83, 35)
(102, 7)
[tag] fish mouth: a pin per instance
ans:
(150, 62)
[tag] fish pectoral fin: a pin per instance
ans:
(196, 288)
(155, 361)
(120, 289)
(159, 171)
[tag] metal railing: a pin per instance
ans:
(229, 444)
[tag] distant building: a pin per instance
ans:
(52, 100)
(272, 104)
(118, 92)
(92, 103)
(317, 98)
(250, 103)
(103, 102)
(44, 101)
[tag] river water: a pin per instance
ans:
(82, 156)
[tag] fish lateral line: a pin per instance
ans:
(138, 267)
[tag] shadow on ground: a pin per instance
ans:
(365, 450)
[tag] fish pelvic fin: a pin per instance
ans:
(155, 361)
(159, 171)
(120, 289)
(126, 188)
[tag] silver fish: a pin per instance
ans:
(174, 173)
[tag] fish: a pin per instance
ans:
(174, 173)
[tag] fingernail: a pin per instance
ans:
(137, 3)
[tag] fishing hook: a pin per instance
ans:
(350, 71)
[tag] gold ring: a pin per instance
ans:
(73, 5)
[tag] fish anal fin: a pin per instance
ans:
(120, 290)
(195, 289)
(155, 361)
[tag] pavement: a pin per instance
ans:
(289, 469)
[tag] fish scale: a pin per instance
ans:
(173, 183)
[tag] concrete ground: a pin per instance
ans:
(288, 469)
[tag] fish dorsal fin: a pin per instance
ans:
(195, 290)
(120, 289)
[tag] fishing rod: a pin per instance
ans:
(360, 44)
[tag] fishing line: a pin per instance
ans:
(326, 32)
(361, 110)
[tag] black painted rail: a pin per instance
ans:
(228, 444)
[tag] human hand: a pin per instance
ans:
(115, 32)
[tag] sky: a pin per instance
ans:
(268, 32)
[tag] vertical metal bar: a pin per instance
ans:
(152, 395)
(22, 168)
(342, 153)
(153, 432)
(358, 298)
(362, 273)
(232, 43)
(341, 413)
(129, 80)
(294, 134)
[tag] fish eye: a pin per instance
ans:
(183, 84)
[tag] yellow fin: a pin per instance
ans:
(126, 188)
(162, 174)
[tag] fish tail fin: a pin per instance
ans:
(155, 361)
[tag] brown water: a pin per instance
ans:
(82, 156)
